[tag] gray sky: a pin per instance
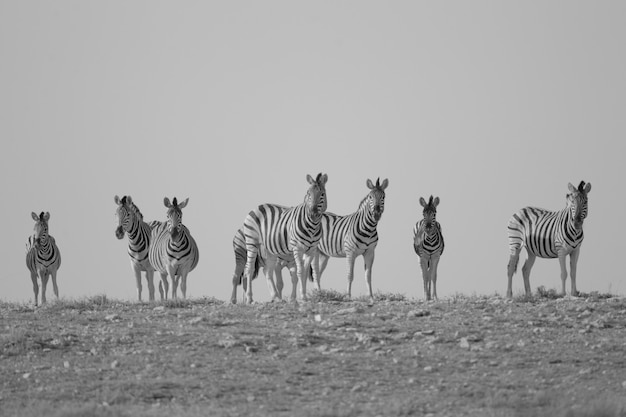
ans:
(491, 106)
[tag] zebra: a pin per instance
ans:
(353, 235)
(43, 257)
(283, 231)
(173, 250)
(241, 254)
(130, 222)
(549, 234)
(428, 244)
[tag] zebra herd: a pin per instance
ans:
(304, 237)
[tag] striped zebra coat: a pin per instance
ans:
(284, 231)
(241, 256)
(428, 244)
(43, 258)
(173, 251)
(353, 235)
(549, 234)
(131, 223)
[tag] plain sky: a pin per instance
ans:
(490, 105)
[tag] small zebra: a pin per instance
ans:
(43, 258)
(284, 231)
(173, 250)
(130, 222)
(549, 234)
(241, 255)
(428, 244)
(353, 235)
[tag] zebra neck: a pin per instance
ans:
(138, 230)
(570, 230)
(45, 246)
(367, 222)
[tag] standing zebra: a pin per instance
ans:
(353, 235)
(549, 234)
(283, 231)
(428, 244)
(130, 221)
(173, 250)
(42, 256)
(241, 256)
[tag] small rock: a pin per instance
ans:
(318, 318)
(350, 310)
(428, 369)
(114, 364)
(159, 308)
(112, 317)
(624, 384)
(463, 343)
(418, 313)
(66, 365)
(26, 375)
(251, 349)
(196, 320)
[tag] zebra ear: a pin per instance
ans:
(46, 216)
(422, 202)
(166, 202)
(183, 204)
(436, 201)
(323, 179)
(588, 188)
(369, 184)
(34, 216)
(384, 184)
(129, 200)
(571, 187)
(310, 179)
(117, 200)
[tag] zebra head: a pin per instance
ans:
(41, 228)
(124, 215)
(577, 203)
(430, 212)
(174, 216)
(315, 199)
(376, 197)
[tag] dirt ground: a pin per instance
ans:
(463, 356)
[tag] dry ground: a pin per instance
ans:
(476, 356)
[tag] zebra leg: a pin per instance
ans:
(316, 271)
(150, 280)
(573, 259)
(293, 271)
(433, 276)
(528, 265)
(164, 287)
(511, 268)
(368, 257)
(183, 284)
(562, 258)
(350, 257)
(55, 288)
(172, 276)
(249, 270)
(44, 283)
(33, 278)
(425, 276)
(278, 272)
(271, 263)
(298, 258)
(237, 279)
(137, 272)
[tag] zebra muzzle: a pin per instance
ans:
(119, 232)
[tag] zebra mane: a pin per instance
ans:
(581, 186)
(41, 216)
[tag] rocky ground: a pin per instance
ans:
(471, 356)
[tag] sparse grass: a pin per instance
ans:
(325, 296)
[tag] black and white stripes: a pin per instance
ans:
(428, 244)
(130, 222)
(549, 234)
(354, 234)
(43, 258)
(173, 251)
(281, 231)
